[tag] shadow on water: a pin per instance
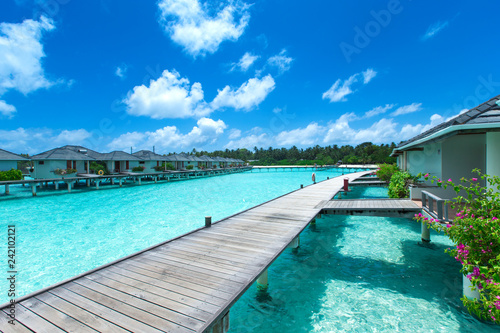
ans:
(299, 283)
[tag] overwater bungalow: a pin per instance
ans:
(180, 161)
(152, 161)
(9, 160)
(60, 162)
(120, 161)
(205, 162)
(452, 149)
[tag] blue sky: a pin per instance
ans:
(184, 74)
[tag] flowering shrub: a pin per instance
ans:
(62, 172)
(475, 231)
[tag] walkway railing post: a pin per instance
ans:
(208, 221)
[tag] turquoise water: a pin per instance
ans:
(60, 235)
(361, 274)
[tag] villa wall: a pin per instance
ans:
(7, 165)
(426, 161)
(493, 153)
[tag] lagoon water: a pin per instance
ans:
(362, 274)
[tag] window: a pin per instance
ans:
(141, 162)
(41, 162)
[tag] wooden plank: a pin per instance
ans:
(188, 287)
(18, 327)
(188, 276)
(52, 315)
(233, 277)
(105, 307)
(154, 309)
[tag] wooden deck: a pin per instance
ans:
(187, 284)
(371, 207)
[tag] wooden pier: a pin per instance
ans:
(371, 207)
(132, 177)
(187, 284)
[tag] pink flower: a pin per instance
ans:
(448, 226)
(449, 180)
(426, 175)
(494, 218)
(440, 181)
(474, 179)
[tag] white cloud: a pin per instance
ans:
(414, 107)
(250, 141)
(434, 29)
(170, 96)
(280, 61)
(206, 132)
(340, 129)
(191, 25)
(368, 75)
(249, 95)
(234, 134)
(382, 131)
(121, 72)
(37, 140)
(7, 110)
(340, 89)
(22, 52)
(245, 62)
(408, 131)
(378, 110)
(300, 136)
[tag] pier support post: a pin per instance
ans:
(468, 292)
(112, 181)
(222, 326)
(139, 179)
(70, 184)
(262, 281)
(208, 221)
(295, 243)
(426, 233)
(121, 181)
(33, 189)
(56, 185)
(88, 182)
(97, 184)
(155, 179)
(7, 190)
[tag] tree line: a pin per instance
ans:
(365, 153)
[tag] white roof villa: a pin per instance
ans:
(451, 150)
(9, 160)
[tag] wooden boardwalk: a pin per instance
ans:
(187, 284)
(371, 207)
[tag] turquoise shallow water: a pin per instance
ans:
(361, 274)
(60, 235)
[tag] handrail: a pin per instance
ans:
(441, 213)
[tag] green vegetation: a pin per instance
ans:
(365, 153)
(62, 172)
(399, 185)
(475, 232)
(12, 174)
(138, 169)
(98, 166)
(386, 171)
(190, 167)
(163, 167)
